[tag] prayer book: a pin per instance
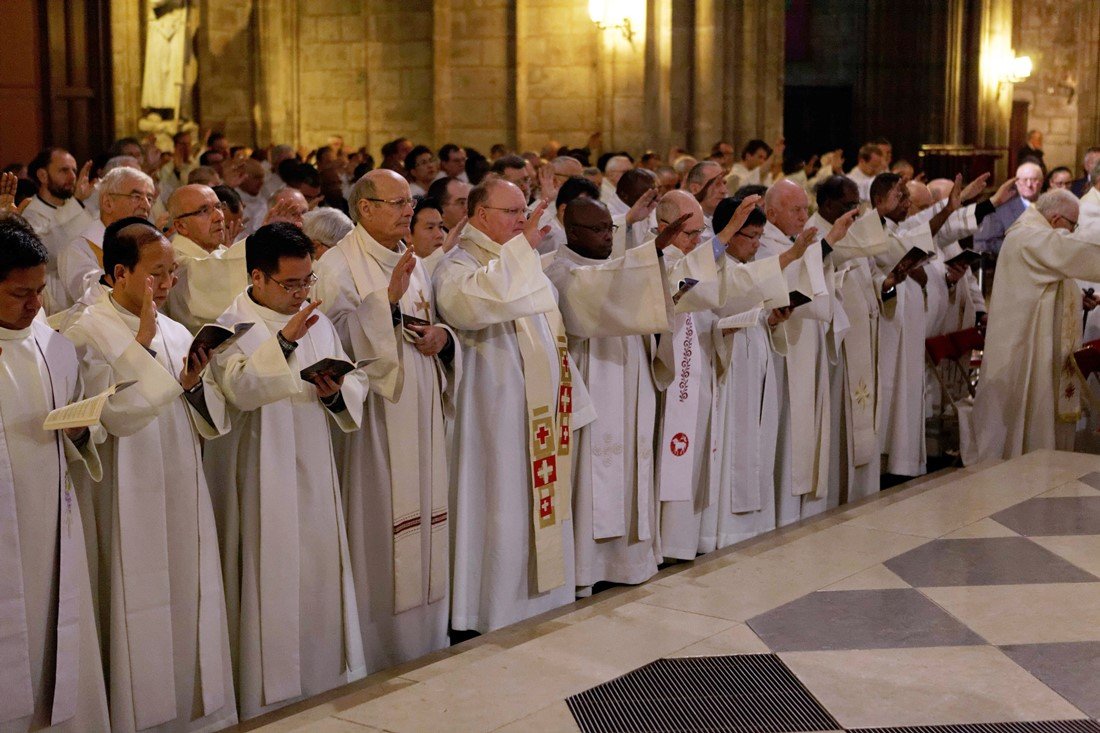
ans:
(82, 414)
(216, 338)
(745, 319)
(333, 368)
(799, 298)
(967, 257)
(685, 285)
(407, 320)
(912, 259)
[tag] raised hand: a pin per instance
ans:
(974, 188)
(432, 338)
(841, 227)
(701, 196)
(84, 187)
(803, 241)
(233, 173)
(643, 207)
(666, 235)
(1005, 192)
(454, 235)
(9, 182)
(532, 230)
(740, 216)
(954, 199)
(548, 187)
(893, 198)
(401, 276)
(147, 323)
(283, 210)
(300, 323)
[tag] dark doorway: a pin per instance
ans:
(817, 119)
(1017, 133)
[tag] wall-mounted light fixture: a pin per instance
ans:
(608, 14)
(1019, 69)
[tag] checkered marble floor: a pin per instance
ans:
(971, 597)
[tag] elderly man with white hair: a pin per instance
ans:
(1028, 397)
(613, 171)
(325, 227)
(1029, 181)
(123, 192)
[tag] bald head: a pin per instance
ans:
(671, 207)
(567, 166)
(615, 168)
(786, 206)
(940, 188)
(920, 198)
(381, 203)
(1029, 181)
(291, 206)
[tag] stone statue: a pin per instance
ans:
(165, 85)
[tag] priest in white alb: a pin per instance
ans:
(50, 669)
(1029, 394)
(162, 607)
(395, 468)
(289, 592)
(211, 273)
(611, 307)
(517, 406)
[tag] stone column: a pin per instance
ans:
(994, 109)
(277, 113)
(1088, 80)
(754, 42)
(127, 21)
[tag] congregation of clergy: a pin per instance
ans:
(469, 390)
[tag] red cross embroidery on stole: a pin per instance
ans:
(545, 471)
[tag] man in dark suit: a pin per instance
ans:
(1033, 150)
(1029, 181)
(1082, 185)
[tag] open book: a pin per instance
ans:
(333, 368)
(745, 319)
(216, 338)
(967, 257)
(82, 414)
(911, 260)
(799, 298)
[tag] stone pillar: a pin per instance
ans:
(278, 99)
(1088, 81)
(994, 108)
(658, 75)
(397, 79)
(226, 50)
(755, 42)
(128, 42)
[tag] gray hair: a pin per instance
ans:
(699, 174)
(1094, 174)
(326, 225)
(364, 188)
(116, 179)
(121, 161)
(1058, 201)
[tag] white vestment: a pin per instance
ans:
(863, 183)
(610, 309)
(395, 468)
(803, 455)
(497, 298)
(688, 455)
(162, 607)
(901, 353)
(610, 197)
(50, 669)
(208, 282)
(56, 226)
(1028, 395)
(80, 264)
(293, 619)
(254, 209)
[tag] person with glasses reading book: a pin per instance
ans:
(210, 274)
(48, 614)
(379, 296)
(162, 605)
(1029, 395)
(290, 597)
(518, 406)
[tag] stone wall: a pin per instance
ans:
(332, 58)
(1047, 32)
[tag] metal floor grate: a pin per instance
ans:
(751, 693)
(1046, 726)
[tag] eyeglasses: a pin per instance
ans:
(207, 210)
(135, 196)
(600, 229)
(399, 203)
(295, 286)
(510, 212)
(1073, 223)
(688, 232)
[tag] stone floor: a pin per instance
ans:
(967, 597)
